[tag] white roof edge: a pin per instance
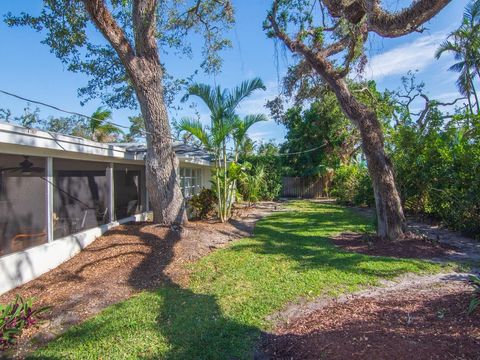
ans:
(52, 135)
(11, 134)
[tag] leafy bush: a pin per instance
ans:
(438, 170)
(475, 282)
(270, 187)
(14, 318)
(251, 184)
(203, 204)
(352, 185)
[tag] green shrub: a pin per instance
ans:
(14, 318)
(271, 186)
(438, 171)
(252, 183)
(352, 185)
(203, 205)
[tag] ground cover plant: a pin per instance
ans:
(223, 310)
(14, 318)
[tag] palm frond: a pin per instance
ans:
(243, 125)
(102, 114)
(458, 67)
(472, 12)
(222, 130)
(195, 128)
(464, 84)
(446, 46)
(250, 120)
(211, 96)
(109, 129)
(242, 91)
(97, 123)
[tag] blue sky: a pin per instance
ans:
(29, 69)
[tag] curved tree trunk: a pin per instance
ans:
(391, 223)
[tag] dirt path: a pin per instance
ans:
(125, 260)
(415, 316)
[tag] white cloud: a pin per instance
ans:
(416, 55)
(446, 96)
(262, 135)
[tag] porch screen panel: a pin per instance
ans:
(128, 189)
(22, 203)
(81, 196)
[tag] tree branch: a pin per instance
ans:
(383, 22)
(104, 21)
(321, 63)
(409, 20)
(144, 27)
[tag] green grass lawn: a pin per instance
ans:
(221, 314)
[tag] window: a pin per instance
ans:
(128, 189)
(190, 181)
(80, 196)
(22, 202)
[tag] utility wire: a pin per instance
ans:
(62, 110)
(301, 152)
(127, 127)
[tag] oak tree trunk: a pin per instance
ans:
(391, 223)
(162, 168)
(142, 64)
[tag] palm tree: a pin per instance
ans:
(100, 129)
(225, 125)
(464, 44)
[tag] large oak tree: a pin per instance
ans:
(126, 69)
(330, 36)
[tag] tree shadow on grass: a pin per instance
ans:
(172, 322)
(304, 238)
(196, 328)
(163, 321)
(168, 323)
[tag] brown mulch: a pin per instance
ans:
(413, 246)
(425, 323)
(125, 260)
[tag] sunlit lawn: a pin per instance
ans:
(223, 311)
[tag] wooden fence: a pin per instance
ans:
(303, 187)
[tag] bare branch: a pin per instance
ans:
(336, 47)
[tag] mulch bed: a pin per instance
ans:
(413, 246)
(125, 260)
(426, 323)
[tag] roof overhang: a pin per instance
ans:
(18, 139)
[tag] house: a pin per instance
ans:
(58, 193)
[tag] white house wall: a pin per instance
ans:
(22, 266)
(19, 268)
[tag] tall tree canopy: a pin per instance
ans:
(329, 36)
(126, 68)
